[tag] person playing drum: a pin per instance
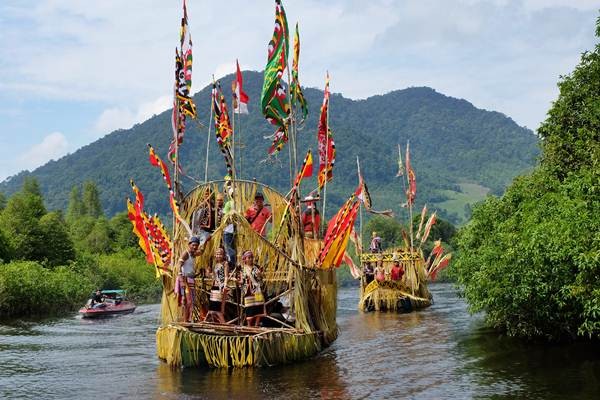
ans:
(251, 281)
(219, 290)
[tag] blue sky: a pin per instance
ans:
(72, 71)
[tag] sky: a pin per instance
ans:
(72, 71)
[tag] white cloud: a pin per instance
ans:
(52, 147)
(123, 117)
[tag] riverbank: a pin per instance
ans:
(27, 288)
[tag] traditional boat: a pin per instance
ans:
(114, 303)
(279, 308)
(289, 270)
(396, 279)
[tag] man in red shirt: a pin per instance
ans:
(258, 215)
(311, 219)
(397, 271)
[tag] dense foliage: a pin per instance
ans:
(531, 259)
(452, 142)
(50, 265)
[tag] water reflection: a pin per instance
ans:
(441, 352)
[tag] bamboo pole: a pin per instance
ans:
(212, 110)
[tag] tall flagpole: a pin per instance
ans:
(212, 110)
(326, 150)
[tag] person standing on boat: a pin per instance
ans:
(219, 290)
(203, 223)
(218, 217)
(258, 215)
(185, 286)
(251, 282)
(397, 270)
(369, 273)
(311, 219)
(375, 246)
(380, 271)
(229, 230)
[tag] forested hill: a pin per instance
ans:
(459, 152)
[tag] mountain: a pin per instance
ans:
(459, 152)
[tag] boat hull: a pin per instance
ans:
(204, 345)
(124, 307)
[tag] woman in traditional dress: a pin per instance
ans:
(219, 290)
(251, 281)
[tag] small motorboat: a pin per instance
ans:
(113, 302)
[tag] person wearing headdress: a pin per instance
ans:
(258, 214)
(251, 282)
(311, 219)
(219, 290)
(185, 284)
(375, 246)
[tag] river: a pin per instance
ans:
(441, 352)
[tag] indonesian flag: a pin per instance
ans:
(240, 98)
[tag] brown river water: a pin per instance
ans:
(438, 353)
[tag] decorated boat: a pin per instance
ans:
(245, 282)
(114, 302)
(396, 279)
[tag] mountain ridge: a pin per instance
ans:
(452, 143)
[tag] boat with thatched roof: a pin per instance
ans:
(289, 270)
(396, 279)
(279, 304)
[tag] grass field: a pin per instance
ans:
(471, 193)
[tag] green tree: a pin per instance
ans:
(99, 238)
(121, 232)
(531, 259)
(58, 247)
(75, 206)
(388, 229)
(2, 201)
(20, 221)
(31, 186)
(91, 200)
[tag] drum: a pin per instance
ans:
(216, 295)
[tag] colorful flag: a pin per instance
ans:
(222, 126)
(338, 233)
(240, 98)
(295, 88)
(273, 98)
(306, 170)
(156, 161)
(411, 192)
(440, 265)
(325, 141)
(428, 226)
(183, 105)
(362, 192)
(423, 213)
(400, 166)
(140, 226)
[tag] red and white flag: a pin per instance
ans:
(240, 98)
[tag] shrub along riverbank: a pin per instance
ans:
(50, 264)
(531, 259)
